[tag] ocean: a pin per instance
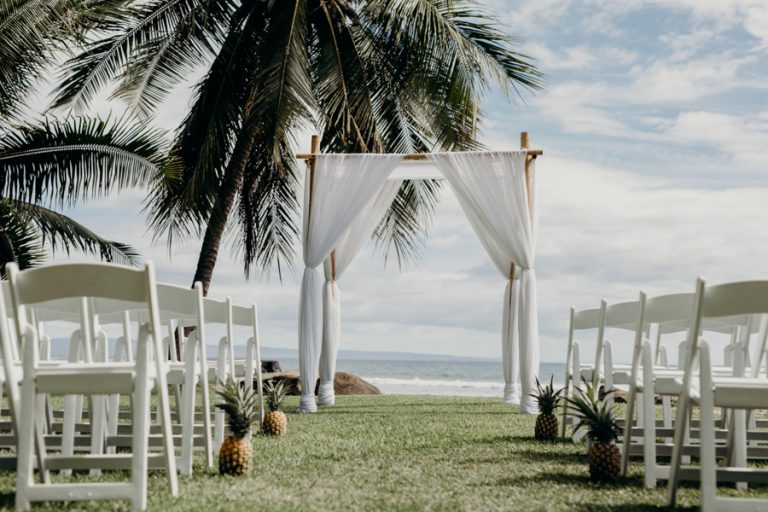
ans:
(456, 378)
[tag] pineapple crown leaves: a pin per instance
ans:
(594, 414)
(546, 397)
(275, 393)
(239, 404)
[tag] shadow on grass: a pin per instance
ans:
(570, 479)
(7, 500)
(550, 477)
(563, 458)
(429, 410)
(630, 508)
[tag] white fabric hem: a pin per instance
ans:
(325, 394)
(307, 404)
(511, 394)
(528, 405)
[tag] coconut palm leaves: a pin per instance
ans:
(374, 76)
(33, 32)
(60, 163)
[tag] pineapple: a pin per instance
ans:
(275, 422)
(602, 430)
(239, 404)
(548, 399)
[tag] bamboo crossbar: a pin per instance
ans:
(415, 156)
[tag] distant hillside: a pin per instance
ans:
(356, 355)
(59, 350)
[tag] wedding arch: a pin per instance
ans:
(346, 195)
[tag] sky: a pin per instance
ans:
(654, 126)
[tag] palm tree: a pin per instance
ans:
(58, 163)
(373, 75)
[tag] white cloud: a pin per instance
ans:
(660, 82)
(581, 57)
(742, 137)
(756, 23)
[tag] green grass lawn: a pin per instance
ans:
(403, 453)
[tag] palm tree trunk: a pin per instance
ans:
(217, 224)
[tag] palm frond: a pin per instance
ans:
(61, 162)
(64, 234)
(34, 31)
(19, 241)
(206, 139)
(164, 61)
(104, 60)
(405, 227)
(267, 212)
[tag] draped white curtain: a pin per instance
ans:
(491, 189)
(345, 251)
(342, 186)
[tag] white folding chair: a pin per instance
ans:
(40, 285)
(740, 394)
(249, 317)
(224, 312)
(671, 314)
(185, 306)
(579, 320)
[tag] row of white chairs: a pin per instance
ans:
(737, 310)
(144, 361)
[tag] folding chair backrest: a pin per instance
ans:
(220, 312)
(729, 300)
(242, 316)
(586, 319)
(177, 303)
(104, 284)
(52, 282)
(622, 315)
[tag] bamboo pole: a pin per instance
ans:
(315, 148)
(416, 156)
(525, 143)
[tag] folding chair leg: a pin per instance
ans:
(24, 454)
(97, 427)
(738, 442)
(140, 446)
(68, 428)
(707, 433)
(649, 445)
(187, 412)
(649, 427)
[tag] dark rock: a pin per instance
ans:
(343, 383)
(270, 367)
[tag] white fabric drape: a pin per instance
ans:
(342, 187)
(491, 189)
(345, 250)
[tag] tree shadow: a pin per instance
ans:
(639, 507)
(7, 500)
(548, 477)
(563, 458)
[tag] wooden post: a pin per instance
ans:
(525, 143)
(333, 265)
(315, 145)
